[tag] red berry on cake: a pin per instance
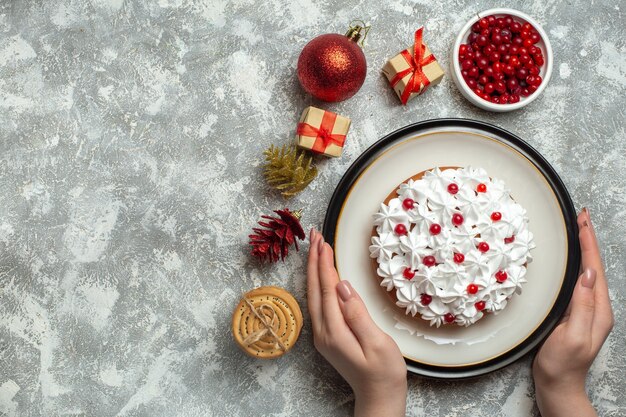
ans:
(480, 305)
(481, 188)
(459, 258)
(453, 188)
(429, 260)
(408, 273)
(501, 276)
(400, 229)
(408, 203)
(434, 229)
(472, 289)
(483, 247)
(496, 215)
(509, 239)
(457, 219)
(425, 299)
(449, 318)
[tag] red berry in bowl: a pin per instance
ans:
(482, 63)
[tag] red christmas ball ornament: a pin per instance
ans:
(332, 67)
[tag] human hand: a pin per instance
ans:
(344, 333)
(562, 363)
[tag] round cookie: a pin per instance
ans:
(267, 322)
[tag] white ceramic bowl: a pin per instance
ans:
(545, 70)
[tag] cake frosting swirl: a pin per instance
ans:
(453, 244)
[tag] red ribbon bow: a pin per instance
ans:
(323, 134)
(416, 63)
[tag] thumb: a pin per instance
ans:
(356, 315)
(583, 304)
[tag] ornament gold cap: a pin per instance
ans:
(358, 31)
(297, 214)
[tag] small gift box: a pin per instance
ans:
(322, 131)
(413, 70)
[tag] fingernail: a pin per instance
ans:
(312, 234)
(345, 290)
(321, 245)
(588, 279)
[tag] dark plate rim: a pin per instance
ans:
(560, 191)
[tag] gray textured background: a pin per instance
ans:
(131, 138)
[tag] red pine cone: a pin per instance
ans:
(279, 233)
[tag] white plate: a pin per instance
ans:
(496, 340)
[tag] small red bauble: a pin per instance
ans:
(459, 258)
(400, 229)
(453, 188)
(408, 204)
(472, 289)
(509, 239)
(434, 229)
(408, 273)
(480, 305)
(483, 247)
(332, 67)
(426, 299)
(457, 219)
(496, 215)
(501, 276)
(449, 318)
(481, 188)
(429, 260)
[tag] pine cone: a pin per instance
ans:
(288, 170)
(279, 233)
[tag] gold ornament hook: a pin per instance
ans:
(354, 32)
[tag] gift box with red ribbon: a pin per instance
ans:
(322, 131)
(413, 70)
